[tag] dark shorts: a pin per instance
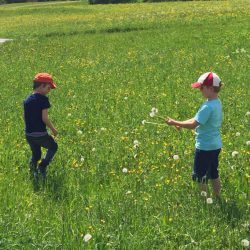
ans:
(206, 165)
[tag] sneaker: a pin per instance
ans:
(42, 171)
(33, 170)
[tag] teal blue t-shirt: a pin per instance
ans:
(209, 118)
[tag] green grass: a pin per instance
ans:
(112, 64)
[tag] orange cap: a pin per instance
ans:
(45, 78)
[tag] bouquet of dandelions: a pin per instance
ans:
(154, 114)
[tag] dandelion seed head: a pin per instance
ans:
(203, 193)
(234, 153)
(136, 143)
(176, 157)
(245, 243)
(125, 170)
(154, 110)
(87, 237)
(151, 114)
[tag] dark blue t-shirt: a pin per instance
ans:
(33, 106)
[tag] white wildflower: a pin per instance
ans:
(69, 114)
(125, 170)
(93, 149)
(128, 192)
(82, 158)
(152, 114)
(143, 122)
(246, 224)
(237, 134)
(245, 243)
(203, 193)
(209, 200)
(103, 129)
(248, 143)
(234, 153)
(136, 143)
(154, 110)
(242, 50)
(176, 157)
(125, 98)
(248, 113)
(87, 237)
(79, 132)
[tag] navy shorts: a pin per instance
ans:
(205, 165)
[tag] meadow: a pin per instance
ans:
(126, 184)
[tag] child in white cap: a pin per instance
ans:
(207, 123)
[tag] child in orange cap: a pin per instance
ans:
(36, 120)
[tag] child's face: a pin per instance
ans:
(45, 89)
(207, 91)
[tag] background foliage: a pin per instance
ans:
(112, 64)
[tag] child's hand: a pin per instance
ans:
(170, 121)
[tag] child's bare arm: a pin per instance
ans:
(48, 123)
(189, 124)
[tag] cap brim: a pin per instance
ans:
(53, 85)
(196, 85)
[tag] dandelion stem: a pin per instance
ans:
(160, 117)
(155, 123)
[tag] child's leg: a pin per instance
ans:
(216, 186)
(49, 143)
(36, 152)
(200, 169)
(215, 179)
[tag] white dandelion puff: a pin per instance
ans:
(154, 110)
(124, 170)
(204, 193)
(152, 114)
(79, 132)
(234, 153)
(143, 122)
(245, 243)
(248, 113)
(237, 134)
(93, 149)
(128, 192)
(209, 201)
(82, 158)
(176, 157)
(248, 143)
(136, 143)
(87, 237)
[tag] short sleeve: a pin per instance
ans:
(45, 102)
(203, 114)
